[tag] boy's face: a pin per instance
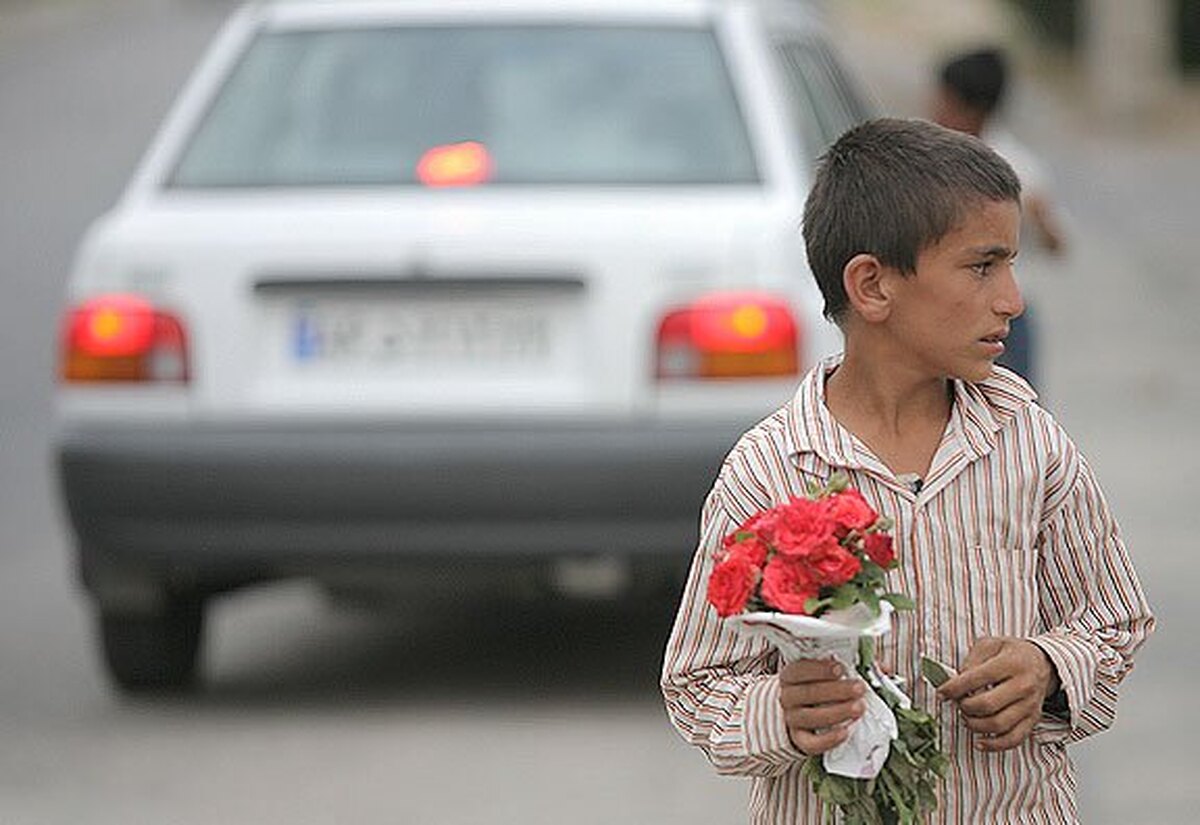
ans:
(952, 314)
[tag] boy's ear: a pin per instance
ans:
(864, 280)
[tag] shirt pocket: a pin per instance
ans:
(1001, 591)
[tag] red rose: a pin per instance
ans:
(850, 511)
(832, 565)
(731, 583)
(759, 524)
(878, 547)
(801, 527)
(787, 585)
(752, 548)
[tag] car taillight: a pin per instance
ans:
(729, 335)
(455, 164)
(123, 338)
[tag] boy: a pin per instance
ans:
(1018, 570)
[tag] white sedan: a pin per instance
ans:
(439, 294)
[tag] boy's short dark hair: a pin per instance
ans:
(977, 78)
(890, 188)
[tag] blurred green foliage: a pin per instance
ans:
(1187, 34)
(1061, 23)
(1057, 21)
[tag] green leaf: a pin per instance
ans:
(871, 571)
(866, 654)
(899, 601)
(844, 596)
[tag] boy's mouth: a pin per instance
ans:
(994, 343)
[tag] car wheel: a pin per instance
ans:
(158, 651)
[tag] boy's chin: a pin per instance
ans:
(974, 373)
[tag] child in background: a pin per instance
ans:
(970, 91)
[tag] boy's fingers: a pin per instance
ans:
(983, 649)
(813, 744)
(992, 700)
(1016, 664)
(971, 680)
(989, 662)
(811, 670)
(808, 694)
(1000, 722)
(1002, 715)
(819, 704)
(824, 716)
(1010, 739)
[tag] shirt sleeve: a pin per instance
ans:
(1091, 601)
(721, 688)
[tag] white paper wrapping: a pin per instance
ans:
(836, 634)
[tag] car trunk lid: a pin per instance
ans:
(440, 304)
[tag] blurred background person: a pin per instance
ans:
(971, 88)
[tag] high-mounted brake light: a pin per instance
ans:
(455, 164)
(123, 338)
(729, 335)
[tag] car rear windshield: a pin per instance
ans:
(553, 105)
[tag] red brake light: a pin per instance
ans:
(123, 338)
(729, 335)
(455, 164)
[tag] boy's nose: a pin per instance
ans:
(1009, 301)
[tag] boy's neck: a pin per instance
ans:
(899, 413)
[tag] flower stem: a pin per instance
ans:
(866, 655)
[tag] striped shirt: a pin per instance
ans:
(1008, 536)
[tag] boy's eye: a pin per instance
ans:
(983, 267)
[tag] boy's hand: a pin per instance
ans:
(1001, 689)
(818, 704)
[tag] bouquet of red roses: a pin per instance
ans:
(809, 575)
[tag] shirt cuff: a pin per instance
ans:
(1073, 659)
(766, 734)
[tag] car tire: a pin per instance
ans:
(153, 652)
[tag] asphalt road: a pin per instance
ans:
(502, 713)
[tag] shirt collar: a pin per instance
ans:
(980, 411)
(811, 428)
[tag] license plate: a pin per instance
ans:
(420, 333)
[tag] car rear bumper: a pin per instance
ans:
(241, 503)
